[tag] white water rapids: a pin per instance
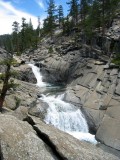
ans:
(62, 115)
(38, 75)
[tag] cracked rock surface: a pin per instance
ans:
(18, 141)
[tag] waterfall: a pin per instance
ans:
(38, 75)
(63, 115)
(67, 118)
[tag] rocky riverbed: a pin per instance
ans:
(91, 83)
(33, 139)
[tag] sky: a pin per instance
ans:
(14, 10)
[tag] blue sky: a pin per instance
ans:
(14, 10)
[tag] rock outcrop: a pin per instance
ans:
(98, 90)
(92, 82)
(24, 73)
(67, 146)
(20, 140)
(3, 55)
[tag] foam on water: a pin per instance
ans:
(67, 118)
(38, 75)
(62, 115)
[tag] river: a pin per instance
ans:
(63, 115)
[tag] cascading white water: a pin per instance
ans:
(67, 118)
(38, 75)
(63, 115)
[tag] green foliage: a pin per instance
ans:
(116, 60)
(18, 101)
(60, 16)
(21, 39)
(67, 26)
(89, 16)
(50, 50)
(49, 23)
(74, 10)
(6, 76)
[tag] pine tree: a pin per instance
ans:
(107, 10)
(84, 9)
(29, 34)
(67, 26)
(50, 20)
(38, 28)
(60, 16)
(15, 36)
(74, 10)
(7, 83)
(23, 34)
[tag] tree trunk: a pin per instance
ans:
(1, 104)
(5, 86)
(103, 17)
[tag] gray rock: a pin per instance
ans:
(114, 72)
(3, 56)
(55, 71)
(69, 147)
(12, 101)
(94, 118)
(117, 91)
(108, 132)
(24, 73)
(71, 97)
(20, 113)
(39, 110)
(20, 142)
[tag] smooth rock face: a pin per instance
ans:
(99, 95)
(109, 132)
(24, 73)
(39, 110)
(12, 102)
(94, 118)
(55, 70)
(20, 142)
(69, 147)
(72, 98)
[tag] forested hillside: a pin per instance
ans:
(85, 18)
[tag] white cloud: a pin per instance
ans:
(40, 3)
(9, 14)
